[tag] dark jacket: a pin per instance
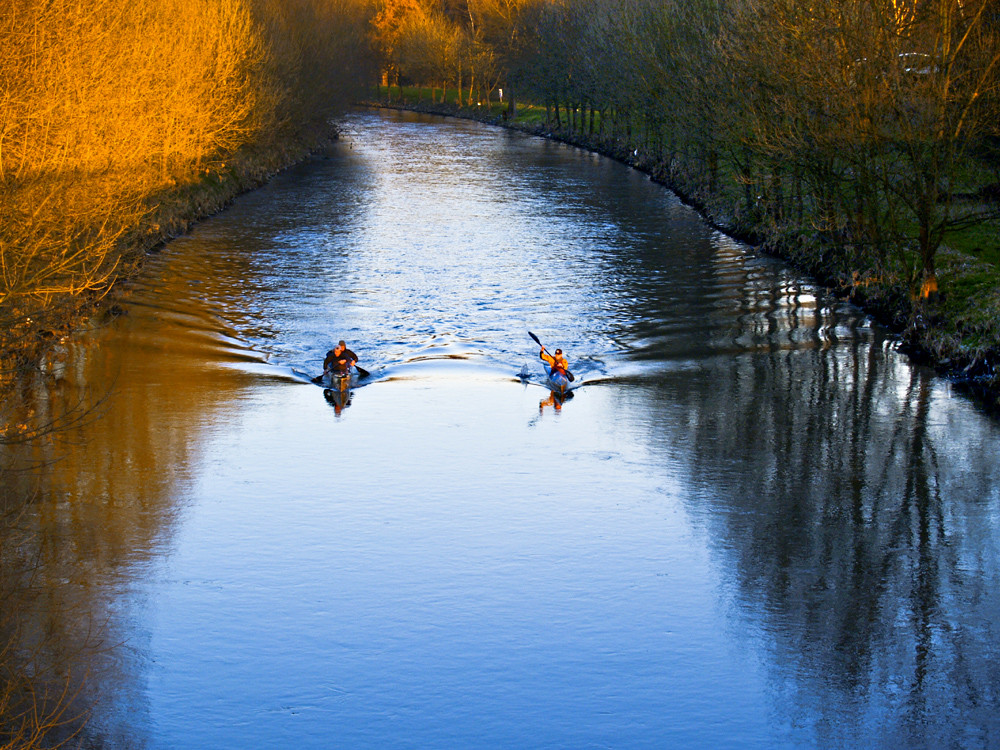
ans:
(341, 362)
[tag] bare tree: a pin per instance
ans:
(876, 108)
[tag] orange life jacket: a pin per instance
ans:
(556, 362)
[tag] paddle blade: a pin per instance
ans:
(570, 375)
(362, 372)
(536, 339)
(318, 379)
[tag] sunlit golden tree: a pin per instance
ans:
(108, 108)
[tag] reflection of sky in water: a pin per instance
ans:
(465, 256)
(756, 526)
(450, 578)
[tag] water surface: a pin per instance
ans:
(754, 524)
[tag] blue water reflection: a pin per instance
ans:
(755, 525)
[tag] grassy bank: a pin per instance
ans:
(955, 329)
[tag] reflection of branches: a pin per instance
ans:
(37, 696)
(20, 430)
(836, 510)
(30, 716)
(76, 416)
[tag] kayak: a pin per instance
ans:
(557, 381)
(340, 381)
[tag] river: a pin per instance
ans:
(755, 524)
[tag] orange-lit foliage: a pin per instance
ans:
(107, 103)
(391, 16)
(472, 43)
(93, 85)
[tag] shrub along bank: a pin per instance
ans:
(122, 122)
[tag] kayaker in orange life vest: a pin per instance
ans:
(557, 361)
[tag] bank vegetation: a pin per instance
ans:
(121, 121)
(860, 140)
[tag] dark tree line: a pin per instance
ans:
(866, 127)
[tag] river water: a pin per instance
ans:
(753, 525)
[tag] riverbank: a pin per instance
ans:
(956, 330)
(169, 212)
(109, 150)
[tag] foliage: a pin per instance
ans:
(106, 105)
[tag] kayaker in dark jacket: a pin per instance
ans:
(340, 359)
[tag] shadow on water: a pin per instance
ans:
(338, 398)
(95, 502)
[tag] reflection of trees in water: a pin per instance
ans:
(849, 496)
(40, 673)
(97, 500)
(33, 699)
(858, 530)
